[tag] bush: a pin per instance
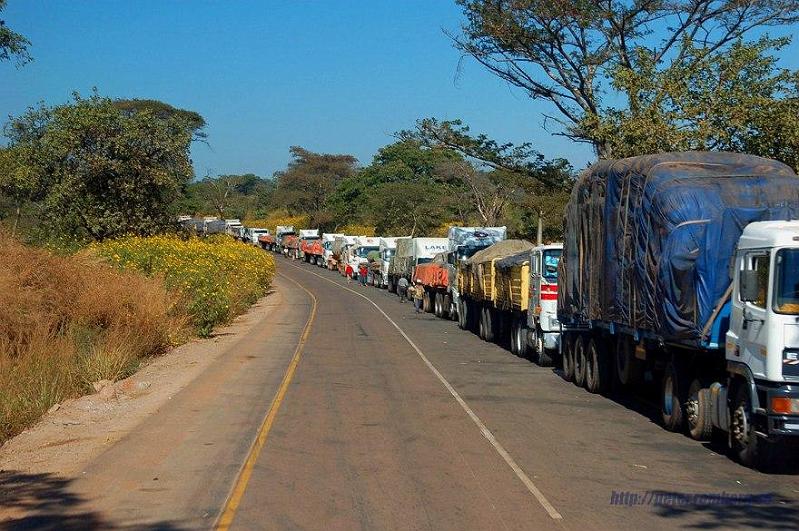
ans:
(279, 217)
(218, 276)
(68, 321)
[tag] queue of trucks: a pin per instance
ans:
(677, 278)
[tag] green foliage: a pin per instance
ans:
(407, 208)
(12, 44)
(97, 172)
(228, 196)
(740, 101)
(310, 179)
(565, 53)
(193, 120)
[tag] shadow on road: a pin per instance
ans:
(44, 502)
(779, 513)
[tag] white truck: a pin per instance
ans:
(338, 249)
(234, 228)
(543, 328)
(357, 253)
(387, 248)
(251, 234)
(410, 253)
(462, 243)
(281, 231)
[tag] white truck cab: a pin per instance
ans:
(327, 244)
(543, 327)
(760, 401)
(387, 248)
(358, 252)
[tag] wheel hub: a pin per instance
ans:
(740, 425)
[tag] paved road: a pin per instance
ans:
(394, 420)
(370, 437)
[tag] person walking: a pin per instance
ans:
(363, 272)
(418, 296)
(402, 289)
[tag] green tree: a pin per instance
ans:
(309, 181)
(566, 52)
(410, 208)
(12, 44)
(164, 111)
(740, 101)
(228, 195)
(98, 172)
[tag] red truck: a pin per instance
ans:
(435, 279)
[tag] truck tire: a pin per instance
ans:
(598, 373)
(514, 330)
(580, 348)
(747, 447)
(427, 304)
(462, 322)
(568, 357)
(490, 324)
(540, 356)
(698, 411)
(481, 327)
(446, 306)
(391, 288)
(521, 337)
(437, 304)
(624, 360)
(672, 398)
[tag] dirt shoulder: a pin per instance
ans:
(76, 431)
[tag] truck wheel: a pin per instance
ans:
(672, 398)
(391, 288)
(481, 327)
(521, 337)
(437, 304)
(427, 304)
(592, 378)
(747, 447)
(514, 330)
(462, 314)
(698, 411)
(446, 306)
(624, 360)
(580, 348)
(490, 324)
(568, 357)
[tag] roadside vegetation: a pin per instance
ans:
(69, 321)
(218, 278)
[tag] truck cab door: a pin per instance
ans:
(748, 335)
(535, 289)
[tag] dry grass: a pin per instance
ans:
(66, 322)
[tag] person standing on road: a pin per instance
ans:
(418, 296)
(402, 289)
(363, 272)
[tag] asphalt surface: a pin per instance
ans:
(397, 420)
(369, 437)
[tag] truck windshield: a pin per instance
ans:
(423, 260)
(362, 252)
(467, 251)
(327, 245)
(550, 269)
(388, 253)
(786, 282)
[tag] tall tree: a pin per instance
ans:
(12, 44)
(564, 52)
(164, 111)
(97, 172)
(310, 179)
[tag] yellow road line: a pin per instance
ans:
(240, 486)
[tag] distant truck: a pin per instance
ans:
(387, 248)
(434, 277)
(358, 254)
(337, 260)
(410, 253)
(308, 237)
(234, 228)
(327, 248)
(282, 232)
(252, 235)
(463, 242)
(680, 271)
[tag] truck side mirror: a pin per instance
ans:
(749, 286)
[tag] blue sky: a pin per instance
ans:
(331, 76)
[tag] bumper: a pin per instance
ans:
(779, 423)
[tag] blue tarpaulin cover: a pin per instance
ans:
(649, 240)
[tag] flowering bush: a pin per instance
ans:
(218, 277)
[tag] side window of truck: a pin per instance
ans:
(760, 262)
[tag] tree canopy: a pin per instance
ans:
(568, 53)
(98, 172)
(12, 44)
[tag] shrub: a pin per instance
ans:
(68, 321)
(218, 277)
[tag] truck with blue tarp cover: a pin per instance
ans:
(683, 269)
